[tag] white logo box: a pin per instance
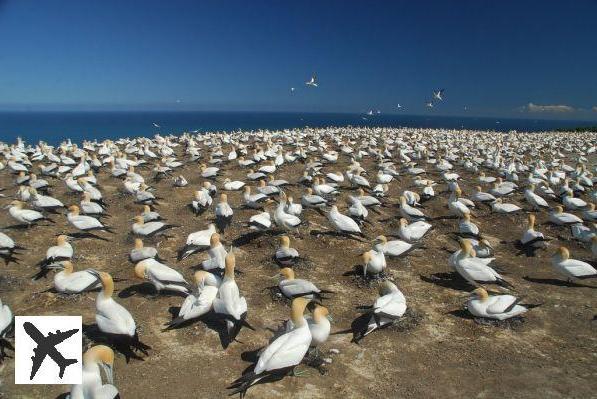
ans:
(70, 349)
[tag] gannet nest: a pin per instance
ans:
(512, 323)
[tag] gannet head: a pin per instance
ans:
(206, 184)
(284, 242)
(138, 243)
(74, 209)
(480, 293)
(403, 222)
(563, 253)
(223, 198)
(230, 264)
(61, 239)
(531, 221)
(298, 308)
(214, 240)
(139, 220)
(558, 209)
(146, 209)
(380, 240)
(103, 355)
(287, 273)
(140, 269)
(387, 287)
(320, 312)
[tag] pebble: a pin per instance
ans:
(328, 360)
(334, 351)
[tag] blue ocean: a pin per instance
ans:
(53, 127)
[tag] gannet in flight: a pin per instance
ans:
(155, 124)
(399, 106)
(438, 94)
(312, 82)
(429, 104)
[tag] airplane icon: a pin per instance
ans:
(46, 346)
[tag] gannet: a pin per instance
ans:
(292, 208)
(310, 200)
(89, 207)
(260, 222)
(209, 172)
(223, 213)
(67, 281)
(200, 301)
(25, 216)
(8, 249)
(559, 217)
(500, 307)
(202, 200)
(292, 287)
(312, 82)
(85, 223)
(163, 277)
(536, 201)
(590, 214)
(284, 353)
(499, 207)
(319, 325)
(438, 94)
(63, 250)
(228, 303)
(44, 202)
(374, 262)
(357, 210)
(96, 358)
(149, 215)
(480, 196)
(409, 213)
(6, 324)
(217, 254)
(283, 219)
(475, 270)
(285, 255)
(413, 231)
(531, 237)
(235, 185)
(394, 248)
(466, 227)
(197, 241)
(342, 223)
(141, 252)
(572, 203)
(456, 206)
(150, 229)
(255, 201)
(386, 310)
(113, 319)
(571, 268)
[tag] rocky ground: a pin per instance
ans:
(437, 351)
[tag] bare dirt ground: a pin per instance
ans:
(553, 354)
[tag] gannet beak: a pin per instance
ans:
(55, 266)
(109, 372)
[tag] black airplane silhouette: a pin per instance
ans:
(47, 346)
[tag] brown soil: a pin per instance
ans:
(437, 351)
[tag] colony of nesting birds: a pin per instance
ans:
(373, 195)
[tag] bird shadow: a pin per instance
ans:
(556, 282)
(450, 280)
(147, 290)
(124, 346)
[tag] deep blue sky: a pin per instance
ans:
(493, 57)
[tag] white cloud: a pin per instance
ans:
(530, 107)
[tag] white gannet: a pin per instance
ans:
(386, 310)
(260, 222)
(163, 277)
(96, 358)
(499, 207)
(342, 223)
(141, 252)
(536, 201)
(200, 301)
(409, 213)
(413, 231)
(285, 255)
(559, 217)
(63, 250)
(229, 303)
(285, 220)
(255, 201)
(500, 307)
(224, 213)
(25, 216)
(113, 319)
(217, 254)
(66, 281)
(394, 248)
(312, 82)
(292, 287)
(374, 262)
(285, 352)
(85, 223)
(197, 241)
(202, 200)
(235, 185)
(149, 229)
(466, 227)
(473, 269)
(571, 268)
